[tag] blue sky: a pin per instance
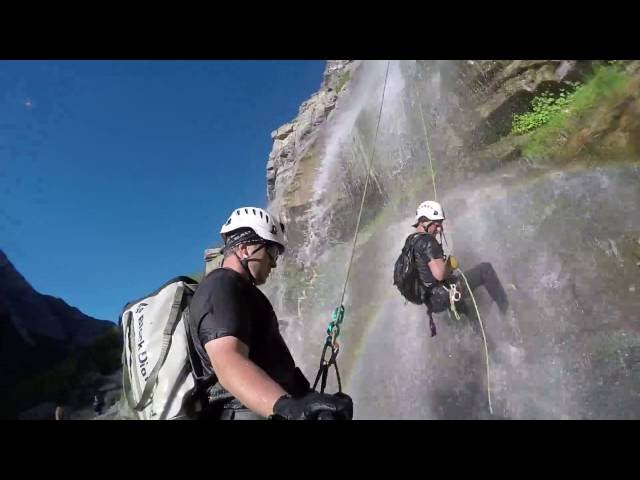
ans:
(115, 176)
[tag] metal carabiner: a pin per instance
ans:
(455, 293)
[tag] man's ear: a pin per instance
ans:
(243, 251)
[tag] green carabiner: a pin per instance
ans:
(338, 314)
(336, 319)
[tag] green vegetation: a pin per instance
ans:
(342, 81)
(71, 379)
(558, 115)
(543, 108)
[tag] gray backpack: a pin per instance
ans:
(159, 365)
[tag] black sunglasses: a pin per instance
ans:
(274, 252)
(428, 223)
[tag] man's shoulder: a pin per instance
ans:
(421, 239)
(221, 279)
(427, 244)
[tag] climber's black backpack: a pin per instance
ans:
(405, 273)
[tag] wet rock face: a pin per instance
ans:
(291, 141)
(563, 238)
(564, 249)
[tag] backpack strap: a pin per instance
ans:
(411, 240)
(167, 334)
(432, 324)
(202, 380)
(126, 370)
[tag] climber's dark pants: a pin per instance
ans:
(482, 274)
(437, 298)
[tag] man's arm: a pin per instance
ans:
(241, 377)
(438, 269)
(432, 254)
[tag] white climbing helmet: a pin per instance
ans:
(264, 224)
(430, 209)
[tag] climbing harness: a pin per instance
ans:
(454, 296)
(333, 329)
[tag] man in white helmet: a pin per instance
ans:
(435, 271)
(236, 335)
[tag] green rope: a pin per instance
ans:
(435, 197)
(364, 193)
(426, 136)
(333, 329)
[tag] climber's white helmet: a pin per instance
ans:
(264, 224)
(429, 209)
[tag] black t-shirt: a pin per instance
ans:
(227, 304)
(426, 248)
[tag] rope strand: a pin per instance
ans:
(484, 339)
(426, 136)
(364, 194)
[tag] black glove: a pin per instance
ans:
(312, 406)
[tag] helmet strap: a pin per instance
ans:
(440, 232)
(245, 262)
